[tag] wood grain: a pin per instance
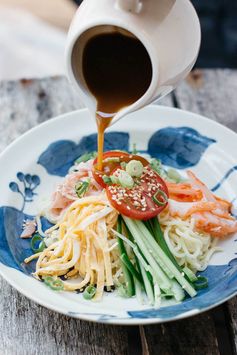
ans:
(193, 336)
(216, 99)
(211, 93)
(27, 328)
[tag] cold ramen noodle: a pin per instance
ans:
(133, 228)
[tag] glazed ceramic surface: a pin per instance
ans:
(33, 165)
(161, 25)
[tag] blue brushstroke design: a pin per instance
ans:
(13, 249)
(179, 147)
(226, 176)
(26, 187)
(222, 284)
(60, 155)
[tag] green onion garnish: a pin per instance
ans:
(85, 157)
(123, 165)
(54, 284)
(134, 149)
(81, 188)
(89, 292)
(201, 283)
(157, 200)
(107, 180)
(37, 238)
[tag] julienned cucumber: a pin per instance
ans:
(158, 275)
(150, 248)
(129, 282)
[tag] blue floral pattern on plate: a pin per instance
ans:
(179, 147)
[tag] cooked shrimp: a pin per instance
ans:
(210, 212)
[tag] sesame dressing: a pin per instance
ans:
(144, 188)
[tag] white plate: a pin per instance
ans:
(182, 139)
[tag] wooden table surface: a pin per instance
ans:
(27, 328)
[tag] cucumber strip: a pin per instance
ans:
(129, 283)
(179, 293)
(158, 234)
(157, 295)
(148, 287)
(138, 291)
(156, 256)
(134, 248)
(162, 243)
(191, 276)
(165, 259)
(157, 272)
(124, 258)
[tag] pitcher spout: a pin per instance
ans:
(133, 6)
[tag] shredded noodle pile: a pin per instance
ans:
(189, 247)
(86, 247)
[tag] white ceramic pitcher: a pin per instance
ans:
(169, 30)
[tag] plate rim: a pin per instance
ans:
(117, 320)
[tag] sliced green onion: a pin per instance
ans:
(134, 148)
(158, 201)
(156, 165)
(89, 292)
(134, 168)
(54, 284)
(114, 179)
(123, 165)
(125, 180)
(107, 180)
(48, 280)
(85, 157)
(37, 238)
(201, 283)
(81, 188)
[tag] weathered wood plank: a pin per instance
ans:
(36, 330)
(193, 336)
(26, 103)
(213, 94)
(27, 328)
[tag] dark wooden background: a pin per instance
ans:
(27, 328)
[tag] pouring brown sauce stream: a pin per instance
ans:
(117, 70)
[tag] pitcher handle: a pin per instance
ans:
(133, 6)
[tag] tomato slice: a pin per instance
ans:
(145, 200)
(113, 160)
